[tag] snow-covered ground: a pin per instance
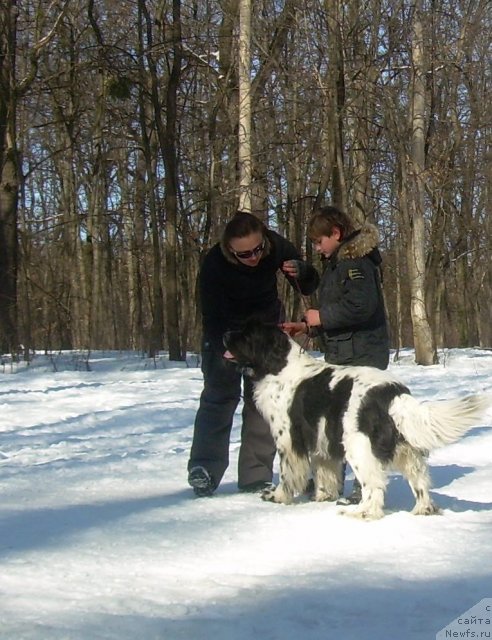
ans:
(101, 538)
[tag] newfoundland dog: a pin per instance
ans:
(321, 414)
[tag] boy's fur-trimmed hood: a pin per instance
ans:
(359, 244)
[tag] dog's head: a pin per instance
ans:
(258, 349)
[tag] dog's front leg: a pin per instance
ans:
(328, 475)
(284, 491)
(294, 469)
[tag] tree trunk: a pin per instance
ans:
(425, 351)
(9, 180)
(244, 134)
(170, 156)
(136, 233)
(337, 81)
(150, 103)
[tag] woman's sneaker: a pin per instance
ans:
(202, 482)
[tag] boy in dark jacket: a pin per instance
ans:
(351, 320)
(238, 282)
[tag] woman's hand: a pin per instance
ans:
(294, 269)
(294, 329)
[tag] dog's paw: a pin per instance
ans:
(361, 514)
(426, 510)
(323, 496)
(268, 495)
(274, 495)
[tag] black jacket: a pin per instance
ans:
(352, 313)
(232, 293)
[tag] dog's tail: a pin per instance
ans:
(430, 425)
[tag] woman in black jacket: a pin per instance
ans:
(238, 282)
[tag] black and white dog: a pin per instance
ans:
(320, 413)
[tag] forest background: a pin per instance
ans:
(131, 130)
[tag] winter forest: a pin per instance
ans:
(131, 130)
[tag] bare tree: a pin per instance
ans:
(244, 142)
(11, 89)
(168, 142)
(132, 157)
(425, 351)
(9, 178)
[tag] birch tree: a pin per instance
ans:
(425, 351)
(244, 139)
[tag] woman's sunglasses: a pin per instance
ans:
(245, 255)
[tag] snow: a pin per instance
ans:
(101, 537)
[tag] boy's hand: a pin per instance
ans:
(311, 316)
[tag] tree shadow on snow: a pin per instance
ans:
(49, 527)
(324, 607)
(399, 495)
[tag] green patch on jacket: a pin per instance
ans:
(355, 274)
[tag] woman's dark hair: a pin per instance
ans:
(242, 224)
(325, 218)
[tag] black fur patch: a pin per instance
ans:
(315, 399)
(375, 421)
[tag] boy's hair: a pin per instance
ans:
(325, 218)
(242, 224)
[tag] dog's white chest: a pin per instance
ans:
(273, 399)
